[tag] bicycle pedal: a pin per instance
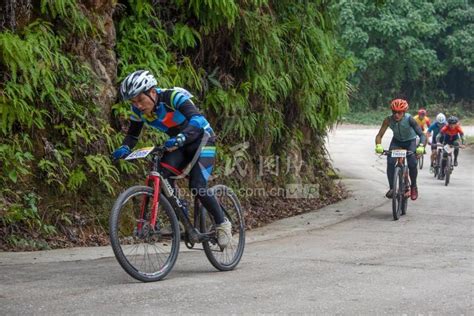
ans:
(188, 244)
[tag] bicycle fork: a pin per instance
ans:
(156, 198)
(405, 176)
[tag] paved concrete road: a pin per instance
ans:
(348, 258)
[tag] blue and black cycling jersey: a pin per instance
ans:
(435, 129)
(174, 113)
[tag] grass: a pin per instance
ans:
(371, 117)
(470, 140)
(467, 121)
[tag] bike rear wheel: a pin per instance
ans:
(398, 193)
(228, 258)
(146, 253)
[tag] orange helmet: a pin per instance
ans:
(421, 112)
(399, 105)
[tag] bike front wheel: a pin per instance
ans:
(420, 161)
(398, 193)
(447, 171)
(228, 258)
(146, 253)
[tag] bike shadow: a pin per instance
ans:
(189, 265)
(382, 215)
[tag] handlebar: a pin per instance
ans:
(158, 150)
(387, 152)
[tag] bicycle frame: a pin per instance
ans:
(400, 162)
(160, 183)
(449, 153)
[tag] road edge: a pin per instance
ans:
(333, 214)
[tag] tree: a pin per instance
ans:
(416, 49)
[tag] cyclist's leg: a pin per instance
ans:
(433, 150)
(391, 163)
(198, 178)
(171, 163)
(444, 140)
(456, 150)
(411, 162)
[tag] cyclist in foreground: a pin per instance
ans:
(450, 134)
(172, 112)
(405, 129)
(435, 128)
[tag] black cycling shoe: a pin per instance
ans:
(389, 194)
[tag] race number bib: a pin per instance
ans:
(399, 153)
(140, 153)
(448, 149)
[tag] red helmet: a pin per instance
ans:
(399, 105)
(421, 112)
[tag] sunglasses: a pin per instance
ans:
(397, 112)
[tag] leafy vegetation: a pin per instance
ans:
(270, 73)
(51, 131)
(421, 50)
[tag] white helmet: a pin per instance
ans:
(440, 118)
(136, 83)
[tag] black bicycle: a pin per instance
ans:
(447, 161)
(401, 182)
(144, 227)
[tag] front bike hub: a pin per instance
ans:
(139, 232)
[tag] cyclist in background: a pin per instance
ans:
(435, 128)
(405, 129)
(450, 135)
(422, 119)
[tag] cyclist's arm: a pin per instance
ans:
(461, 134)
(418, 130)
(430, 129)
(196, 121)
(440, 138)
(134, 129)
(383, 128)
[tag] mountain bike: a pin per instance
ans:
(144, 225)
(448, 168)
(401, 182)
